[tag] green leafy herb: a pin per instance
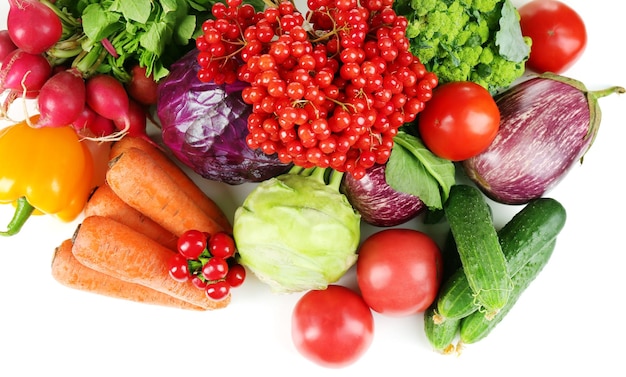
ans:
(115, 34)
(509, 38)
(414, 169)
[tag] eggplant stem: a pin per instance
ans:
(23, 211)
(608, 91)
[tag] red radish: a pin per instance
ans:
(22, 71)
(137, 120)
(101, 126)
(61, 99)
(6, 44)
(84, 119)
(107, 97)
(33, 26)
(93, 125)
(142, 87)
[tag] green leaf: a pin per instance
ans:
(184, 31)
(414, 169)
(155, 37)
(99, 23)
(509, 38)
(134, 10)
(171, 5)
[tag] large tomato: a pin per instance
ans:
(332, 327)
(459, 121)
(558, 33)
(399, 271)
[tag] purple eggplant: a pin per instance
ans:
(377, 202)
(547, 124)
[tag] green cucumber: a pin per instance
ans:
(534, 226)
(440, 335)
(476, 327)
(469, 217)
(450, 257)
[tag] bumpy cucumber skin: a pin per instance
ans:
(534, 226)
(478, 245)
(538, 223)
(456, 298)
(476, 327)
(440, 335)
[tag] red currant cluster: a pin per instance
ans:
(328, 91)
(209, 261)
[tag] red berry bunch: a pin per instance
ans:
(209, 262)
(330, 90)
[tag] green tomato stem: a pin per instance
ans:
(22, 213)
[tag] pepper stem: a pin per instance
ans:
(23, 210)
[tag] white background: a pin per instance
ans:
(568, 320)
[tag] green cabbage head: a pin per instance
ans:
(297, 233)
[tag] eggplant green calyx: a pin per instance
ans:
(296, 231)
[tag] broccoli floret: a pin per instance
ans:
(502, 71)
(465, 59)
(456, 39)
(483, 6)
(423, 7)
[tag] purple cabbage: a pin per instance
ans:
(205, 127)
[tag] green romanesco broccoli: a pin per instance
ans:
(460, 40)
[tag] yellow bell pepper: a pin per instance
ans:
(43, 169)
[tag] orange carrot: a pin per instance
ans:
(67, 270)
(112, 248)
(201, 199)
(104, 202)
(140, 182)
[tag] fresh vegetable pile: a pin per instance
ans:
(351, 111)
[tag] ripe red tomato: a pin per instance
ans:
(459, 121)
(399, 271)
(558, 33)
(332, 327)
